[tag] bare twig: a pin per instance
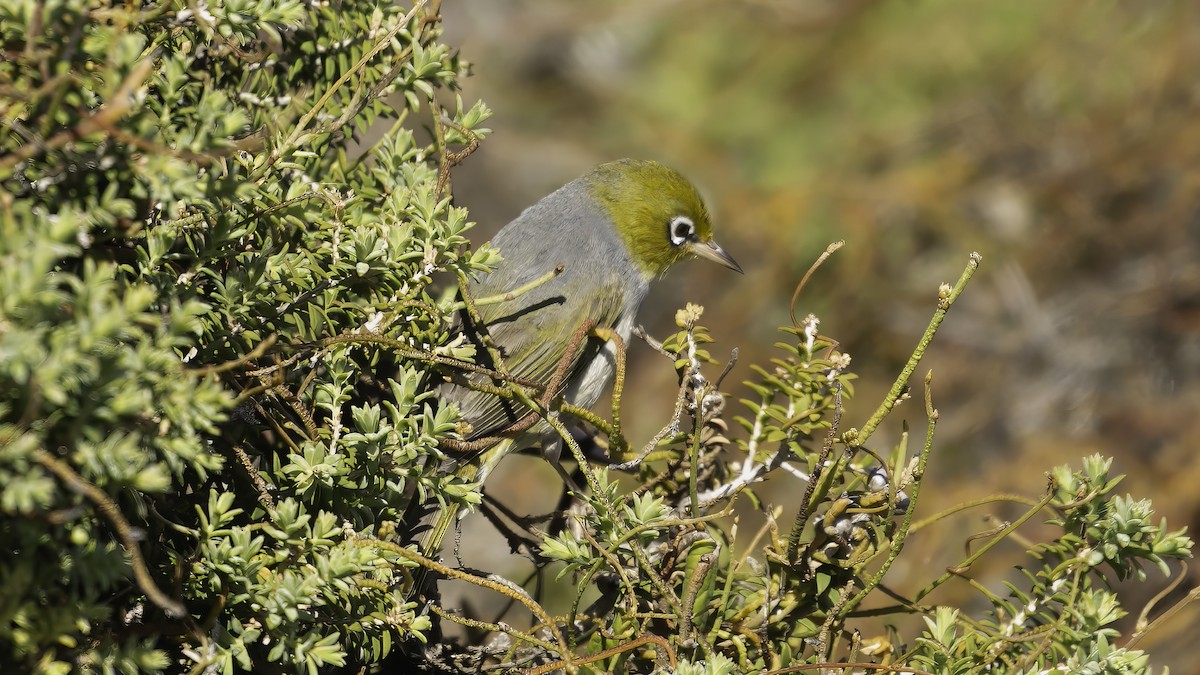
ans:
(664, 647)
(123, 529)
(829, 250)
(946, 298)
(453, 573)
(450, 159)
(793, 546)
(241, 362)
(260, 485)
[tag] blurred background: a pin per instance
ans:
(1059, 140)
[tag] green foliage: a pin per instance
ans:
(219, 347)
(1061, 618)
(192, 469)
(669, 564)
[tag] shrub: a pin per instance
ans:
(218, 346)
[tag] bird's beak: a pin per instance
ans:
(711, 250)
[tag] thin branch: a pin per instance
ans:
(663, 645)
(490, 627)
(509, 296)
(123, 529)
(260, 485)
(846, 666)
(793, 546)
(671, 428)
(946, 298)
(241, 362)
(969, 561)
(1144, 628)
(300, 129)
(829, 250)
(453, 573)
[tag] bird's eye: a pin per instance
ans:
(681, 229)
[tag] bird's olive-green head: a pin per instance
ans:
(658, 213)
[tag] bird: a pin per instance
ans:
(599, 242)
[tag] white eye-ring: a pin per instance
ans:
(681, 229)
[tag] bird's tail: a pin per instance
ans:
(439, 520)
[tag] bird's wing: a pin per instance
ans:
(533, 340)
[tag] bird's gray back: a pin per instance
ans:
(598, 282)
(567, 227)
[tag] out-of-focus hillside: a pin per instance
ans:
(1060, 140)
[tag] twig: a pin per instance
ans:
(629, 537)
(200, 15)
(243, 361)
(946, 298)
(310, 425)
(299, 130)
(664, 647)
(897, 541)
(671, 429)
(409, 352)
(692, 589)
(733, 357)
(829, 250)
(845, 666)
(260, 485)
(449, 159)
(613, 563)
(490, 627)
(1144, 628)
(969, 561)
(124, 530)
(831, 617)
(112, 110)
(452, 573)
(694, 456)
(477, 324)
(793, 546)
(537, 409)
(277, 427)
(509, 296)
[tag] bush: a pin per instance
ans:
(218, 346)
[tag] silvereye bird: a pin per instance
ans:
(614, 230)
